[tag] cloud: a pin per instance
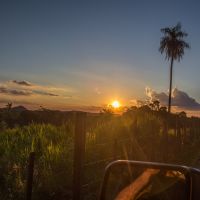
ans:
(162, 97)
(133, 102)
(45, 93)
(4, 90)
(25, 88)
(18, 92)
(137, 102)
(180, 99)
(23, 83)
(32, 95)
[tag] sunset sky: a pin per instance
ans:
(85, 54)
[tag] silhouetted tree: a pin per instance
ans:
(151, 105)
(9, 106)
(108, 111)
(130, 112)
(173, 45)
(163, 109)
(156, 104)
(182, 114)
(145, 108)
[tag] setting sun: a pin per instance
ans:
(116, 104)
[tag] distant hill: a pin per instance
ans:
(19, 109)
(20, 115)
(15, 109)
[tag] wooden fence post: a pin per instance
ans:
(134, 139)
(115, 149)
(164, 143)
(29, 185)
(79, 151)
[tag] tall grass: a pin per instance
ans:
(105, 134)
(53, 166)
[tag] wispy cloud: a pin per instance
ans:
(24, 83)
(24, 92)
(45, 93)
(33, 95)
(133, 102)
(4, 90)
(26, 88)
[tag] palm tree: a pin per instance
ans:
(173, 45)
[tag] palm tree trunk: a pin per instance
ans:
(170, 85)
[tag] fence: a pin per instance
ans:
(90, 158)
(177, 132)
(89, 170)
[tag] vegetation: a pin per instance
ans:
(173, 45)
(142, 133)
(53, 169)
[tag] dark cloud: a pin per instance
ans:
(17, 92)
(14, 92)
(45, 93)
(40, 92)
(179, 98)
(23, 92)
(183, 100)
(24, 83)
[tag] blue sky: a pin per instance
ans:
(95, 51)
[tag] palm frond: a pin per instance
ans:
(172, 43)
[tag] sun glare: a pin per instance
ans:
(115, 104)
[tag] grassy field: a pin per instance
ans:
(106, 137)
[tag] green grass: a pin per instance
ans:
(53, 166)
(54, 145)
